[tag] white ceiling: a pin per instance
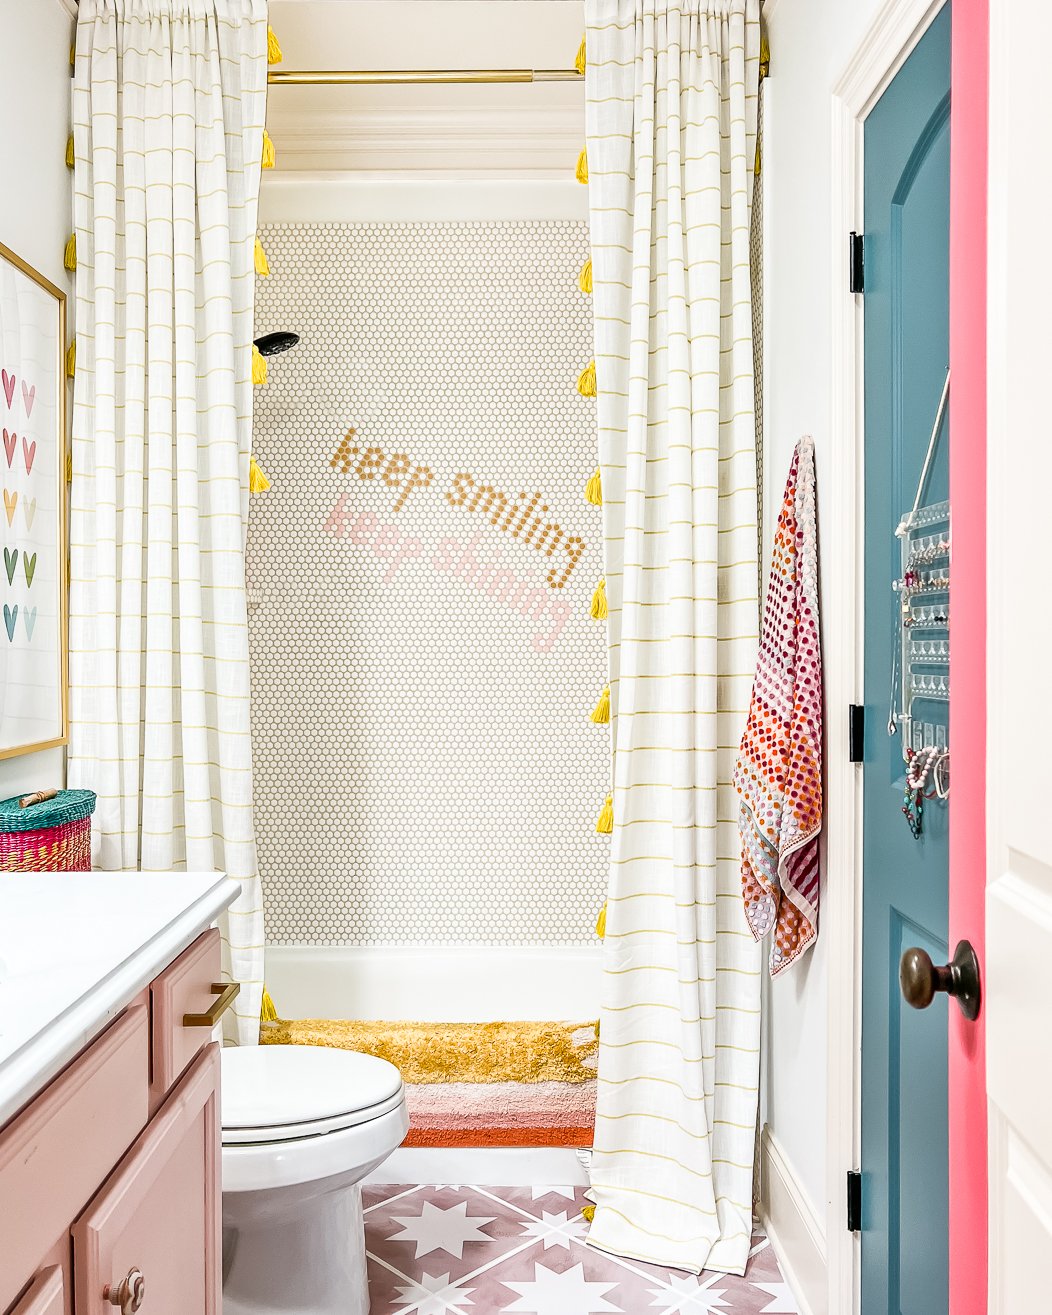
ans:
(536, 127)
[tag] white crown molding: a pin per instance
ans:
(509, 141)
(888, 43)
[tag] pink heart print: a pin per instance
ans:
(29, 452)
(29, 396)
(9, 386)
(10, 443)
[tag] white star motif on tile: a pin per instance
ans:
(569, 1192)
(554, 1230)
(684, 1295)
(442, 1229)
(552, 1293)
(783, 1299)
(432, 1294)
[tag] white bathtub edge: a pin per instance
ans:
(448, 983)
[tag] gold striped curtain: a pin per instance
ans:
(168, 105)
(671, 144)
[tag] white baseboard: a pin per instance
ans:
(447, 984)
(794, 1229)
(483, 1166)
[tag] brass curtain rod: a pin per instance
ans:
(375, 77)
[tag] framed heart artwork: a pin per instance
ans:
(34, 698)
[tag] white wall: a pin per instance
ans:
(36, 215)
(811, 43)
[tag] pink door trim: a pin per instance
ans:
(967, 1041)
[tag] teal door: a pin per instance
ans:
(905, 880)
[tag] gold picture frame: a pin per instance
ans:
(34, 571)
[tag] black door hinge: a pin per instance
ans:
(856, 731)
(854, 1201)
(856, 262)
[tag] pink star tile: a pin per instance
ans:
(522, 1250)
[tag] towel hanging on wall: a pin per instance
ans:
(779, 771)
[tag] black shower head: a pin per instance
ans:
(273, 344)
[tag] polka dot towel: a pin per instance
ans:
(779, 770)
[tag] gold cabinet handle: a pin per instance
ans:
(129, 1292)
(226, 993)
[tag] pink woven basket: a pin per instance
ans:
(65, 848)
(52, 834)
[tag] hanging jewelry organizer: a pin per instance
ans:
(922, 711)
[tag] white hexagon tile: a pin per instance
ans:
(424, 664)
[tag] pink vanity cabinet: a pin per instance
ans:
(110, 1176)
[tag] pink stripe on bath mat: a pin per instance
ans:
(501, 1113)
(502, 1104)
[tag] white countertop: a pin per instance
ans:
(76, 948)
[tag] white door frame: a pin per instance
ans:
(891, 38)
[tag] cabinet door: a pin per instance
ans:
(54, 1154)
(158, 1213)
(46, 1295)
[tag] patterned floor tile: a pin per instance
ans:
(467, 1250)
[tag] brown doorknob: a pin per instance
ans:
(129, 1292)
(920, 979)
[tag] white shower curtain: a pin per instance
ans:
(671, 119)
(168, 105)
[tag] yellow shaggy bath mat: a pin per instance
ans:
(476, 1084)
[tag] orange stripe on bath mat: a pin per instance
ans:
(439, 1137)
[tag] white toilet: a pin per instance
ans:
(302, 1126)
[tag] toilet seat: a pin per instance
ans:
(288, 1093)
(303, 1127)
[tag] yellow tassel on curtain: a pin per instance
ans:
(268, 151)
(69, 467)
(259, 366)
(598, 612)
(268, 1012)
(584, 279)
(71, 158)
(601, 711)
(262, 264)
(257, 481)
(765, 71)
(73, 54)
(593, 490)
(274, 55)
(70, 257)
(580, 63)
(588, 1213)
(600, 923)
(586, 380)
(581, 173)
(71, 359)
(605, 822)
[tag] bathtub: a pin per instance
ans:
(447, 983)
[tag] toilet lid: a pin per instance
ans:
(274, 1092)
